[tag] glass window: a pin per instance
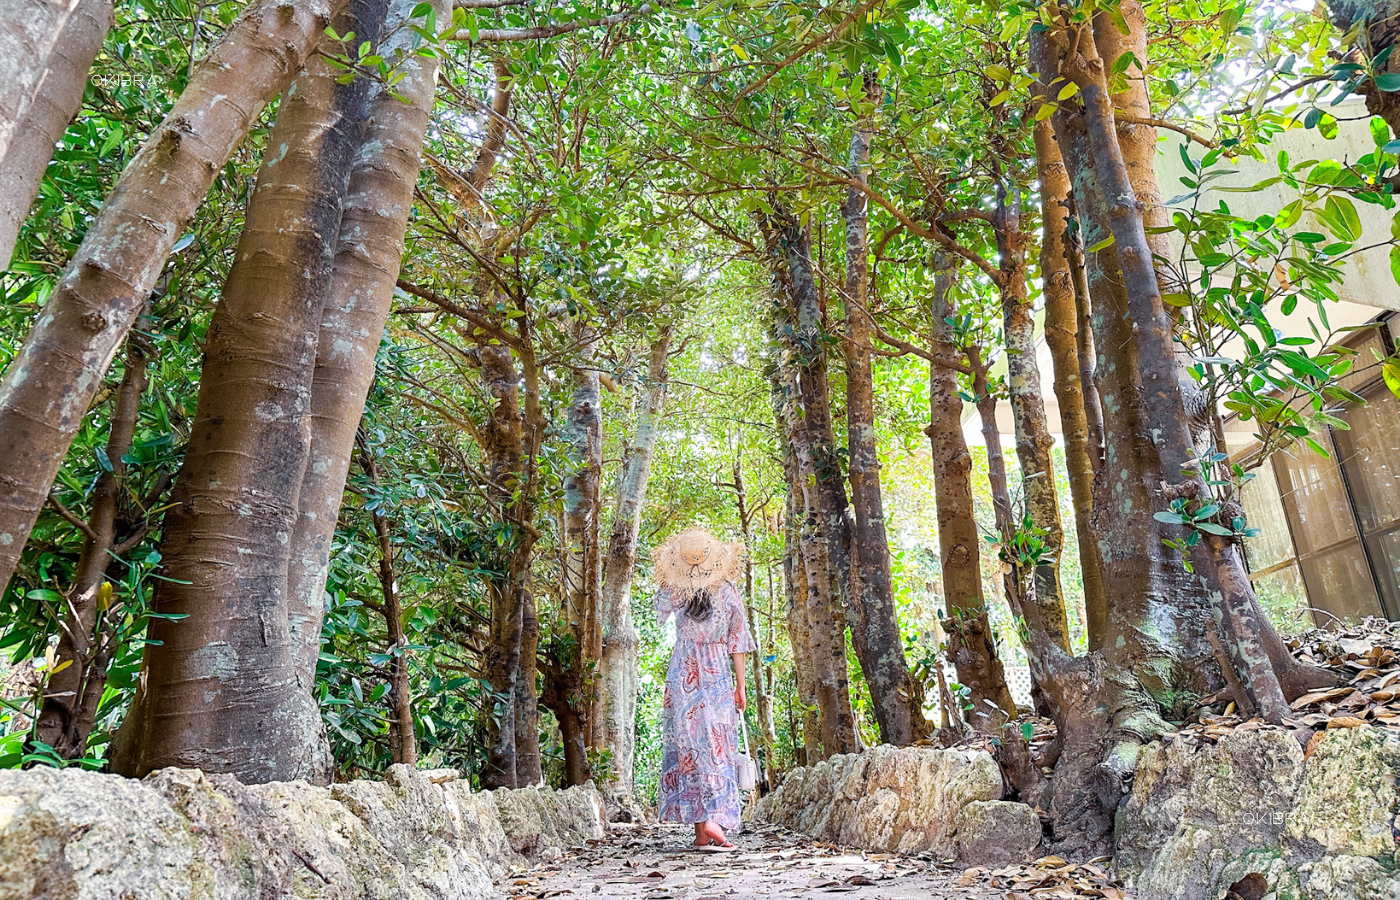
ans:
(1370, 455)
(1285, 599)
(1263, 509)
(1324, 529)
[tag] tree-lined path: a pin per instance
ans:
(1040, 355)
(651, 862)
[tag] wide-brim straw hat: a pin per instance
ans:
(694, 559)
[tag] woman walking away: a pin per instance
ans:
(699, 783)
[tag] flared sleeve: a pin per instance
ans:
(666, 605)
(740, 641)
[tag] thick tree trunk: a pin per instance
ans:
(1033, 440)
(220, 689)
(618, 666)
(70, 704)
(805, 414)
(807, 342)
(896, 696)
(368, 253)
(50, 384)
(1382, 19)
(971, 644)
(504, 447)
(1235, 607)
(1061, 335)
(46, 49)
(403, 744)
(1156, 653)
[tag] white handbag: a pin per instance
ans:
(745, 768)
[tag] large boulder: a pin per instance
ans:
(894, 800)
(184, 835)
(1319, 825)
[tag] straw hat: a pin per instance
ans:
(694, 559)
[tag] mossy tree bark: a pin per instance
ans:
(897, 697)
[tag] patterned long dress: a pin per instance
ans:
(698, 742)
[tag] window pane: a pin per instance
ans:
(1263, 509)
(1385, 556)
(1371, 453)
(1339, 581)
(1285, 600)
(1316, 498)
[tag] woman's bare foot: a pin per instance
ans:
(716, 834)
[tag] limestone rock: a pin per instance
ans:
(73, 833)
(1199, 819)
(996, 832)
(541, 822)
(184, 835)
(887, 799)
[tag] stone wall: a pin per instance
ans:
(1317, 824)
(907, 800)
(182, 835)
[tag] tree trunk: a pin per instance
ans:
(368, 253)
(46, 50)
(1164, 408)
(1061, 335)
(573, 691)
(70, 703)
(1382, 19)
(51, 382)
(799, 635)
(895, 695)
(1156, 653)
(403, 744)
(529, 767)
(805, 413)
(220, 689)
(971, 644)
(807, 340)
(618, 666)
(1002, 509)
(1033, 440)
(764, 698)
(504, 448)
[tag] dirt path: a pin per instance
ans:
(653, 863)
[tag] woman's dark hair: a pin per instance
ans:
(698, 608)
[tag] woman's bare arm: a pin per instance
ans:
(740, 700)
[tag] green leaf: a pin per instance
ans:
(1390, 81)
(1170, 518)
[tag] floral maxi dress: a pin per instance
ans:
(698, 746)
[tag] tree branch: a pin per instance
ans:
(541, 32)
